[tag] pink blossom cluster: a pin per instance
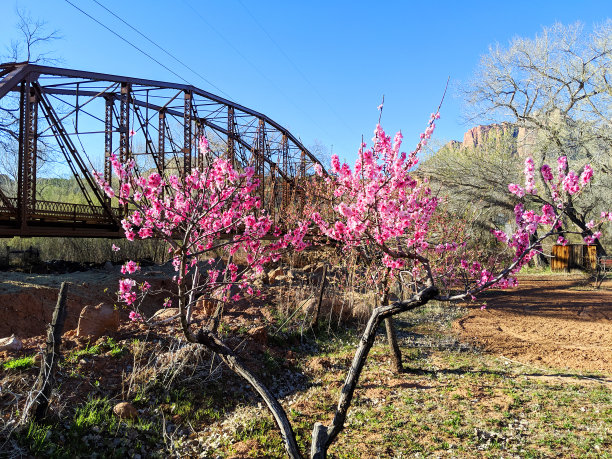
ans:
(193, 214)
(530, 187)
(380, 201)
(568, 183)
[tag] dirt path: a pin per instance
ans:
(557, 321)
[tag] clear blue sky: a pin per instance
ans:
(319, 68)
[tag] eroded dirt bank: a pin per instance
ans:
(27, 300)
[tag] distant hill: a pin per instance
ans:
(491, 134)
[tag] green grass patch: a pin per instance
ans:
(19, 364)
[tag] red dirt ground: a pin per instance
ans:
(556, 321)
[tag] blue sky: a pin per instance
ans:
(319, 68)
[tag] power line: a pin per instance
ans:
(263, 75)
(127, 41)
(162, 49)
(313, 87)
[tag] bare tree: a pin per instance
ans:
(31, 45)
(556, 89)
(320, 150)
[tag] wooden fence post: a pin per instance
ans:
(48, 365)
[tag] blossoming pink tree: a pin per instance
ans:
(380, 204)
(383, 203)
(211, 209)
(559, 195)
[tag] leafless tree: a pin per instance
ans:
(556, 89)
(33, 41)
(30, 45)
(320, 150)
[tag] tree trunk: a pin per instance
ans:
(540, 260)
(322, 436)
(315, 319)
(208, 339)
(580, 222)
(396, 353)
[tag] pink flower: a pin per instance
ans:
(126, 285)
(134, 316)
(516, 189)
(561, 165)
(204, 149)
(587, 175)
(144, 233)
(529, 176)
(167, 303)
(115, 248)
(546, 172)
(130, 267)
(571, 183)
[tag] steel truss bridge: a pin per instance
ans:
(80, 118)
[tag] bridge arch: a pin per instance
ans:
(78, 115)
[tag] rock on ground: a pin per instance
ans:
(125, 410)
(12, 343)
(95, 321)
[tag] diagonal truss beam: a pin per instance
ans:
(120, 112)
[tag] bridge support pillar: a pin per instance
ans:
(28, 143)
(260, 151)
(108, 141)
(187, 134)
(231, 130)
(285, 168)
(273, 198)
(161, 141)
(124, 123)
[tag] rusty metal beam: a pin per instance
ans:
(124, 123)
(94, 76)
(108, 140)
(276, 153)
(187, 119)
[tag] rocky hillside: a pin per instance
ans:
(494, 134)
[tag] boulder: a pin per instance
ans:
(95, 321)
(278, 272)
(307, 306)
(164, 314)
(259, 334)
(12, 343)
(125, 410)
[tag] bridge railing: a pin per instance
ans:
(64, 211)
